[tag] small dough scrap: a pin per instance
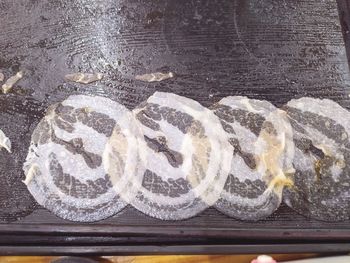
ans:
(84, 78)
(153, 77)
(5, 142)
(7, 86)
(31, 173)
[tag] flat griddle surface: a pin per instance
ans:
(273, 49)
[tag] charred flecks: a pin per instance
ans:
(159, 145)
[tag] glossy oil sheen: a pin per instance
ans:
(274, 50)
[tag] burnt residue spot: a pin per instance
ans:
(159, 145)
(152, 18)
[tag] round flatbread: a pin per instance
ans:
(184, 157)
(321, 188)
(121, 158)
(64, 169)
(262, 148)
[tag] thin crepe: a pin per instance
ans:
(262, 149)
(321, 188)
(184, 158)
(64, 169)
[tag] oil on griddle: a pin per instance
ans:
(274, 50)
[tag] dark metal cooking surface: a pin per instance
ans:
(272, 49)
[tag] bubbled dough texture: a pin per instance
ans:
(247, 195)
(173, 193)
(94, 199)
(323, 195)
